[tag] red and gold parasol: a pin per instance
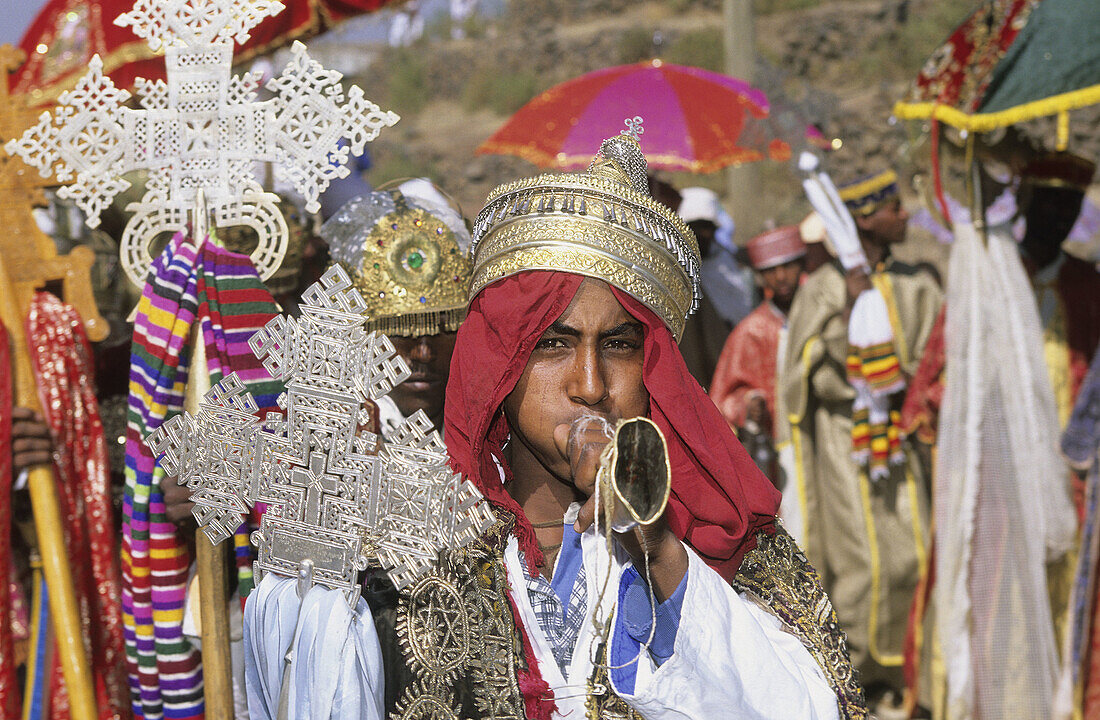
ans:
(66, 34)
(1009, 62)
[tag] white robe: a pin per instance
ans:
(731, 659)
(336, 669)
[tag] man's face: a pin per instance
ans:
(705, 232)
(588, 362)
(429, 359)
(887, 225)
(782, 280)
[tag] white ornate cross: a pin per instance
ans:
(202, 130)
(634, 127)
(336, 496)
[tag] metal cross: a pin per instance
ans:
(201, 133)
(30, 256)
(633, 127)
(28, 260)
(314, 483)
(337, 497)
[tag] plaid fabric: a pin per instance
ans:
(561, 625)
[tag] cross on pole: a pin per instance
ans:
(28, 260)
(201, 133)
(30, 255)
(336, 497)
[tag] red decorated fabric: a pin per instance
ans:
(72, 31)
(9, 691)
(747, 366)
(921, 411)
(959, 71)
(719, 499)
(62, 362)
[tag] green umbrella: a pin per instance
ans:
(1009, 62)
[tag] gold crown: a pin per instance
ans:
(601, 223)
(405, 259)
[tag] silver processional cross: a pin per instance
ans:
(200, 134)
(336, 496)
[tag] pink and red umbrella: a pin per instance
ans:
(694, 120)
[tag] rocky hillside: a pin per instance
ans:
(838, 63)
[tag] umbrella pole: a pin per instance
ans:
(975, 194)
(739, 40)
(42, 487)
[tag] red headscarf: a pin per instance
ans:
(719, 499)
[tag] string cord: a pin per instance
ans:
(603, 629)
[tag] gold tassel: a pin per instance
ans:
(1063, 131)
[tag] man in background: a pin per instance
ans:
(406, 250)
(727, 297)
(865, 533)
(744, 381)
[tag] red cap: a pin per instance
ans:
(776, 247)
(1060, 169)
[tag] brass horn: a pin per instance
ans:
(634, 474)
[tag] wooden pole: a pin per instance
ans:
(15, 300)
(217, 671)
(28, 259)
(743, 187)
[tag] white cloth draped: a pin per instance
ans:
(732, 658)
(336, 672)
(1002, 502)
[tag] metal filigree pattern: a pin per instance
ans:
(182, 23)
(459, 637)
(423, 703)
(496, 690)
(311, 116)
(428, 509)
(203, 130)
(212, 452)
(602, 703)
(335, 495)
(436, 627)
(634, 127)
(82, 142)
(624, 150)
(779, 576)
(588, 261)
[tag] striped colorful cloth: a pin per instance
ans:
(875, 373)
(221, 291)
